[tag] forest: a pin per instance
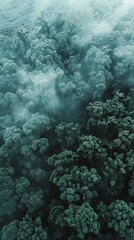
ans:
(67, 125)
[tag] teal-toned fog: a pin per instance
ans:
(66, 120)
(14, 13)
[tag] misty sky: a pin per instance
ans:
(13, 13)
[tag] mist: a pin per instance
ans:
(59, 70)
(66, 119)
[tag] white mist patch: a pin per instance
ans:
(86, 14)
(37, 94)
(14, 13)
(21, 113)
(44, 89)
(93, 18)
(120, 12)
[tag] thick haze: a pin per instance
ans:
(38, 87)
(13, 12)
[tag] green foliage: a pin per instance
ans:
(64, 158)
(21, 186)
(92, 150)
(7, 196)
(31, 230)
(77, 183)
(40, 145)
(36, 125)
(120, 217)
(67, 134)
(83, 219)
(106, 117)
(131, 185)
(33, 201)
(10, 231)
(67, 125)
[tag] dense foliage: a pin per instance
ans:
(67, 130)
